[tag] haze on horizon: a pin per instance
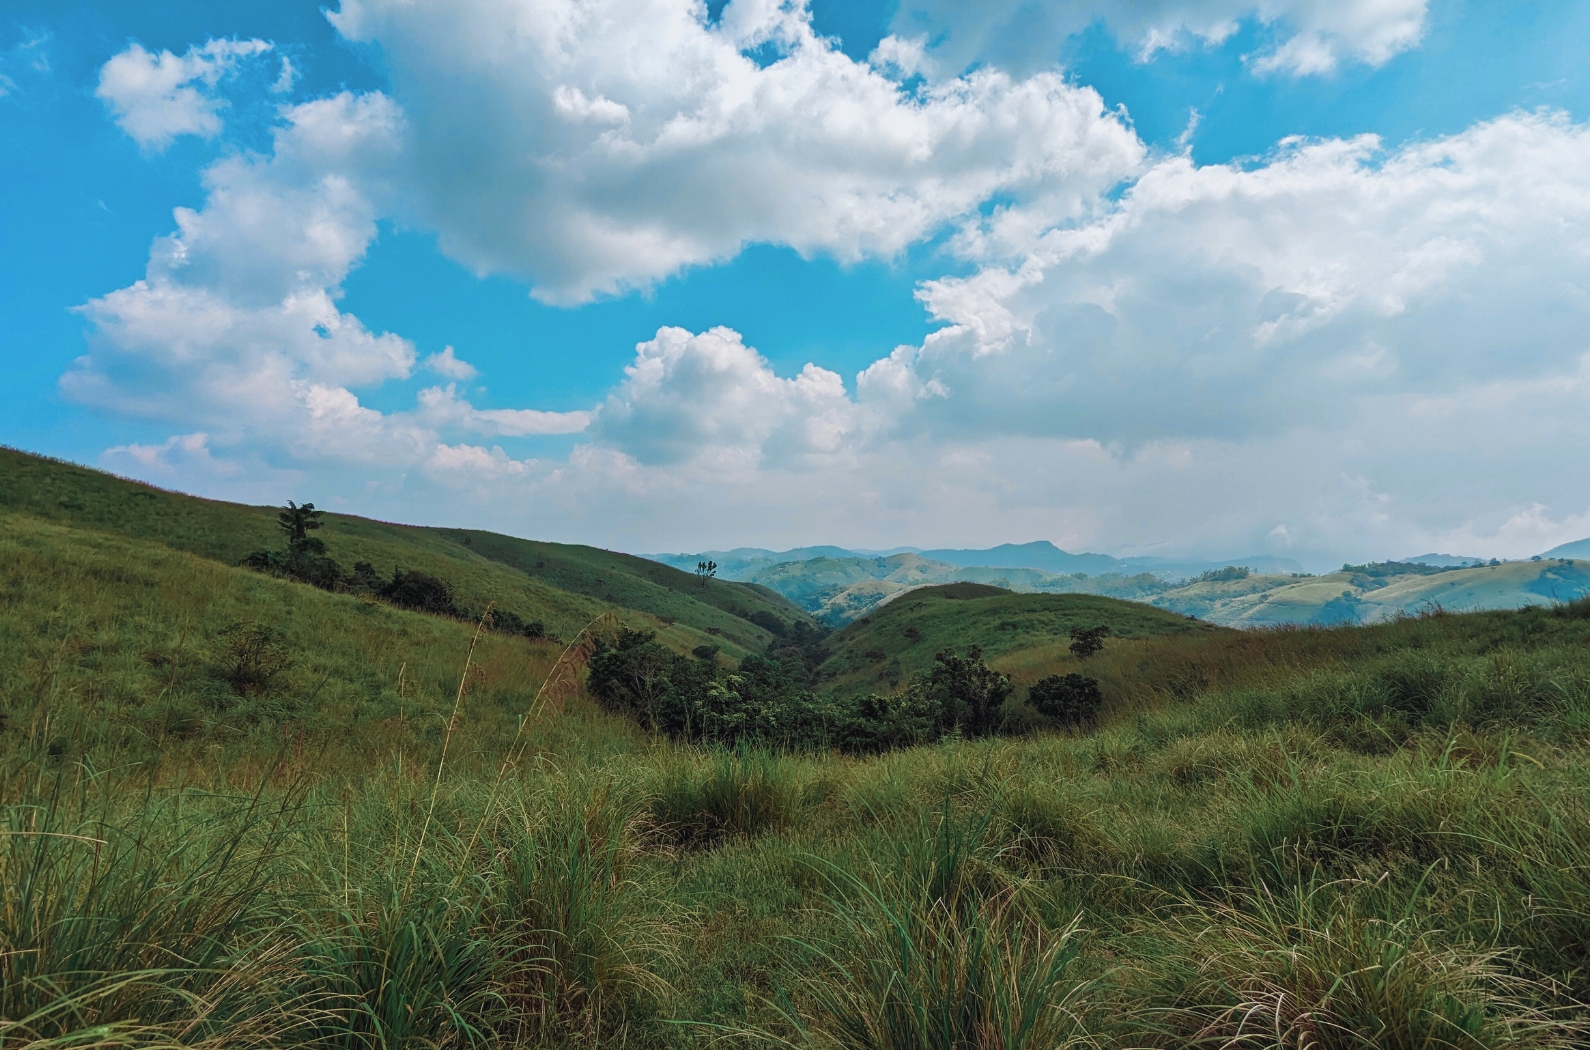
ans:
(1221, 277)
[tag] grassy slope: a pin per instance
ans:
(1260, 601)
(573, 585)
(1227, 761)
(875, 650)
(131, 633)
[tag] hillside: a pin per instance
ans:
(900, 637)
(1374, 596)
(252, 827)
(563, 585)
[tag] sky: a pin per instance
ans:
(1194, 278)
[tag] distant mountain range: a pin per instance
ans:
(839, 584)
(1040, 554)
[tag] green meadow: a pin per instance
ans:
(240, 811)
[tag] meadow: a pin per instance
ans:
(238, 811)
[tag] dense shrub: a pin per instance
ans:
(422, 592)
(1088, 641)
(1071, 700)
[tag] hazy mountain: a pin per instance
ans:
(1576, 549)
(1040, 554)
(1444, 560)
(1377, 592)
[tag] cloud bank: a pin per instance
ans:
(1347, 347)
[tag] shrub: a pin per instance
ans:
(509, 622)
(1071, 700)
(884, 722)
(1088, 641)
(253, 655)
(969, 691)
(422, 592)
(768, 622)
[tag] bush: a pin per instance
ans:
(768, 622)
(1071, 700)
(1088, 641)
(509, 622)
(422, 592)
(253, 655)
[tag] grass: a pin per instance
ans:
(883, 648)
(563, 585)
(1330, 838)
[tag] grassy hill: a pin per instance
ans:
(1352, 836)
(563, 585)
(900, 637)
(1372, 596)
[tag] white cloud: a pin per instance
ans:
(1311, 36)
(710, 394)
(1227, 302)
(156, 98)
(594, 147)
(1381, 349)
(445, 364)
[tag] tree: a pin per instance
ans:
(1072, 700)
(706, 570)
(298, 521)
(1088, 641)
(970, 691)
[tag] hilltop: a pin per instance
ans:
(900, 637)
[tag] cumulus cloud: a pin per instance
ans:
(688, 395)
(155, 98)
(1227, 302)
(1344, 347)
(1311, 36)
(594, 147)
(446, 364)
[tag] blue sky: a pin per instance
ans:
(900, 273)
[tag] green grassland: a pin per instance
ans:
(419, 834)
(899, 638)
(1263, 601)
(563, 585)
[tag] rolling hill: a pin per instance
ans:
(1378, 594)
(563, 585)
(900, 637)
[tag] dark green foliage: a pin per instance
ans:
(1088, 641)
(970, 693)
(692, 699)
(706, 652)
(1071, 700)
(509, 622)
(764, 619)
(879, 723)
(253, 655)
(1229, 574)
(422, 592)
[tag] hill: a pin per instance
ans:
(1371, 594)
(302, 818)
(562, 585)
(1576, 549)
(899, 638)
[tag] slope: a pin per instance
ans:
(1374, 595)
(129, 643)
(899, 638)
(574, 584)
